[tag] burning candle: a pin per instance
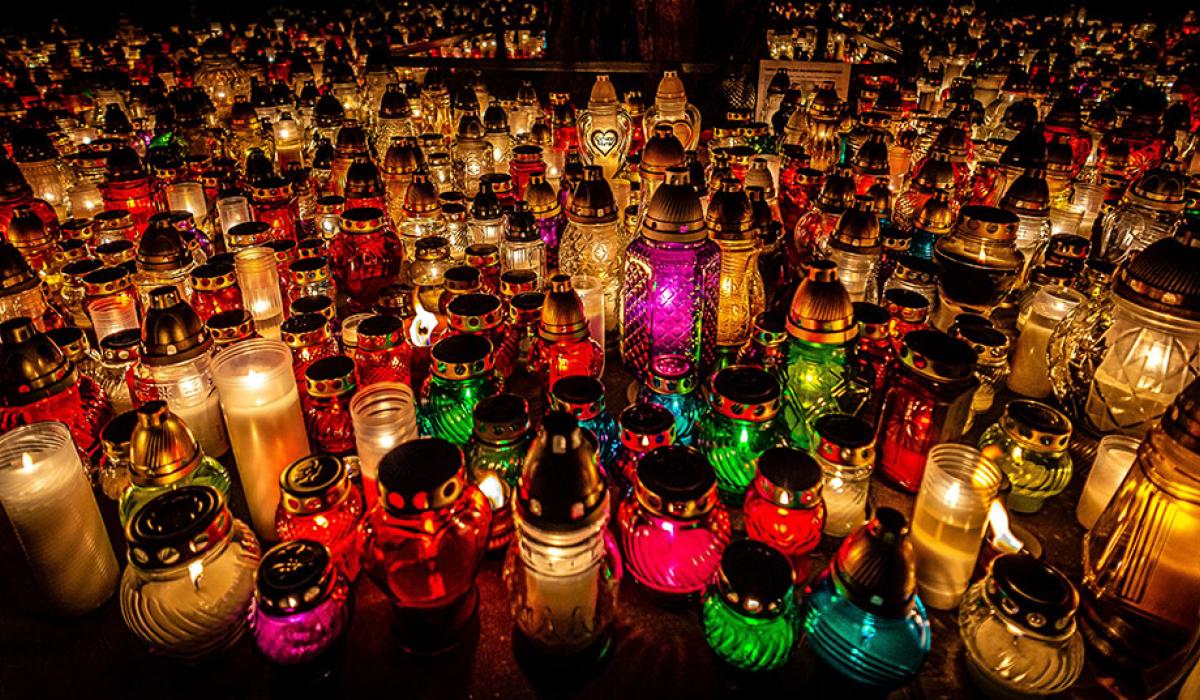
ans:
(384, 416)
(949, 518)
(266, 428)
(189, 196)
(233, 211)
(55, 517)
(591, 292)
(1114, 458)
(258, 278)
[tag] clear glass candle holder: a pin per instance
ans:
(258, 278)
(1114, 458)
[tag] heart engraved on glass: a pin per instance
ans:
(604, 141)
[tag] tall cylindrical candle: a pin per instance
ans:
(1030, 374)
(949, 518)
(113, 314)
(258, 277)
(384, 416)
(266, 428)
(591, 292)
(50, 503)
(1114, 458)
(233, 211)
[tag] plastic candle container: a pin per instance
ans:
(384, 416)
(303, 603)
(949, 519)
(1114, 458)
(266, 427)
(783, 505)
(845, 451)
(749, 615)
(1030, 375)
(258, 278)
(423, 542)
(673, 529)
(189, 588)
(49, 502)
(862, 616)
(320, 503)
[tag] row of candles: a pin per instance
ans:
(889, 333)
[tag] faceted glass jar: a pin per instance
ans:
(197, 605)
(1007, 655)
(1117, 366)
(669, 302)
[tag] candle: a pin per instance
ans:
(266, 429)
(845, 451)
(949, 519)
(1065, 218)
(113, 314)
(1030, 374)
(258, 277)
(591, 292)
(55, 517)
(189, 196)
(384, 416)
(1114, 458)
(233, 211)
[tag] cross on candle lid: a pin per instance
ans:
(294, 577)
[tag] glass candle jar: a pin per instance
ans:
(189, 588)
(41, 383)
(564, 572)
(423, 542)
(1029, 444)
(1018, 629)
(592, 242)
(749, 615)
(1139, 569)
(672, 385)
(845, 452)
(258, 278)
(669, 296)
(821, 329)
(524, 319)
(118, 353)
(673, 528)
(583, 398)
(381, 354)
(564, 347)
(384, 416)
(741, 296)
(991, 362)
(165, 456)
(461, 374)
(604, 128)
(1030, 375)
(862, 616)
(302, 603)
(949, 518)
(483, 315)
(979, 262)
(1117, 361)
(113, 476)
(644, 427)
(261, 403)
(928, 401)
(310, 276)
(766, 345)
(495, 454)
(307, 336)
(366, 256)
(739, 427)
(1114, 459)
(49, 502)
(320, 503)
(783, 505)
(215, 289)
(329, 386)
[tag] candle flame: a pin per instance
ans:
(493, 489)
(195, 571)
(422, 327)
(26, 461)
(952, 494)
(1003, 538)
(256, 380)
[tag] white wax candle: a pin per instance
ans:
(1114, 458)
(266, 427)
(562, 589)
(845, 504)
(55, 517)
(591, 292)
(1030, 372)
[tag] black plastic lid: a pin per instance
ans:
(294, 577)
(419, 475)
(789, 469)
(1032, 594)
(676, 474)
(646, 419)
(178, 526)
(746, 385)
(578, 390)
(755, 578)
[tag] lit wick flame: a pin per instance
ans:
(1003, 538)
(195, 570)
(422, 327)
(26, 461)
(493, 489)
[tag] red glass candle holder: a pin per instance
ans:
(329, 386)
(214, 289)
(308, 336)
(366, 257)
(382, 354)
(275, 205)
(320, 502)
(673, 528)
(485, 257)
(783, 505)
(424, 540)
(644, 427)
(483, 315)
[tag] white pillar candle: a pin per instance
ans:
(55, 517)
(949, 519)
(189, 196)
(384, 416)
(591, 292)
(266, 428)
(233, 211)
(1114, 459)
